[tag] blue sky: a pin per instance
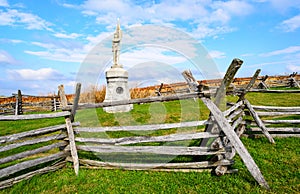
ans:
(47, 43)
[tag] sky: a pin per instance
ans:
(47, 43)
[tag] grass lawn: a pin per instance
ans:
(279, 163)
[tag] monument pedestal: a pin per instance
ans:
(117, 89)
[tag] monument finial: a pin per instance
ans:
(118, 25)
(116, 45)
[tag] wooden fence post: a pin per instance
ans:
(262, 84)
(75, 102)
(258, 121)
(221, 92)
(16, 106)
(249, 86)
(192, 82)
(54, 105)
(19, 109)
(62, 95)
(70, 130)
(159, 89)
(227, 80)
(236, 142)
(72, 144)
(292, 81)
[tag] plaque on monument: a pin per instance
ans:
(117, 78)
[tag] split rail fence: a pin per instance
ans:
(283, 125)
(37, 151)
(124, 152)
(213, 149)
(20, 103)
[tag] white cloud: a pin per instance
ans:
(3, 3)
(216, 54)
(67, 5)
(59, 53)
(293, 68)
(202, 18)
(153, 71)
(291, 24)
(260, 1)
(60, 50)
(234, 7)
(106, 5)
(98, 38)
(68, 36)
(43, 45)
(204, 31)
(71, 83)
(64, 55)
(161, 39)
(178, 10)
(247, 54)
(289, 50)
(131, 12)
(14, 17)
(273, 63)
(89, 13)
(147, 54)
(6, 58)
(283, 5)
(6, 18)
(14, 41)
(30, 74)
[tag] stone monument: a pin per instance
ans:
(117, 78)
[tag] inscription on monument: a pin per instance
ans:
(119, 90)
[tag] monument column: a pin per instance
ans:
(117, 78)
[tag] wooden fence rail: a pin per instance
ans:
(51, 147)
(274, 91)
(272, 118)
(19, 103)
(224, 132)
(117, 145)
(14, 166)
(232, 126)
(281, 114)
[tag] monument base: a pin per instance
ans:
(117, 89)
(116, 109)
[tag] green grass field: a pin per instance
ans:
(279, 163)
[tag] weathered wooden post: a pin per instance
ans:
(16, 106)
(19, 109)
(236, 142)
(251, 109)
(239, 128)
(76, 101)
(292, 81)
(54, 104)
(221, 92)
(258, 121)
(68, 120)
(62, 96)
(159, 89)
(227, 80)
(192, 82)
(262, 84)
(249, 86)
